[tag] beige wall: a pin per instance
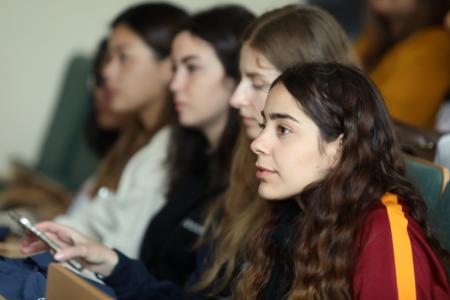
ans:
(37, 39)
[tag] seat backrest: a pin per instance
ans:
(64, 155)
(428, 177)
(442, 219)
(64, 284)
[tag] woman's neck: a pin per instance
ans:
(396, 28)
(213, 131)
(151, 113)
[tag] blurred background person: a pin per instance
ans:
(130, 185)
(350, 14)
(205, 55)
(406, 51)
(39, 201)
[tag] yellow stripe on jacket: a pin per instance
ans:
(403, 257)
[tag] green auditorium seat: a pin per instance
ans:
(442, 219)
(429, 178)
(64, 155)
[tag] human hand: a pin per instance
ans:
(74, 245)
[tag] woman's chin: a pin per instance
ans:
(252, 131)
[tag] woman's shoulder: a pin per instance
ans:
(436, 37)
(376, 225)
(149, 158)
(388, 201)
(162, 136)
(432, 33)
(158, 143)
(390, 218)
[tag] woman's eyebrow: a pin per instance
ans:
(274, 116)
(253, 75)
(120, 46)
(188, 58)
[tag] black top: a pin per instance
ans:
(283, 238)
(167, 247)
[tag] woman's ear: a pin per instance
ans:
(166, 69)
(334, 150)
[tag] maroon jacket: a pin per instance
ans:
(395, 260)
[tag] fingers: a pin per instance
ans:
(76, 252)
(93, 256)
(29, 247)
(56, 229)
(64, 234)
(32, 244)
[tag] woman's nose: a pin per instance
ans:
(260, 144)
(238, 98)
(176, 82)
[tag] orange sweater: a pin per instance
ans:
(414, 75)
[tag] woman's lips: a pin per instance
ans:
(262, 172)
(248, 121)
(111, 92)
(179, 105)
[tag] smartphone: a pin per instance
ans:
(28, 226)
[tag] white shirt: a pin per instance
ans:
(120, 219)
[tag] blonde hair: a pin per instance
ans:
(286, 36)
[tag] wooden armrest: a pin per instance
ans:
(64, 284)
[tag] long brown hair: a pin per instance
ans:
(156, 24)
(380, 38)
(286, 36)
(344, 104)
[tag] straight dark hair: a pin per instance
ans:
(155, 23)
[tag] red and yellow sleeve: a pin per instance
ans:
(395, 261)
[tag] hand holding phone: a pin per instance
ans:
(28, 226)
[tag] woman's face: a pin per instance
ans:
(105, 116)
(290, 151)
(393, 8)
(134, 76)
(200, 86)
(257, 74)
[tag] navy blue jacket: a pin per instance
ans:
(131, 279)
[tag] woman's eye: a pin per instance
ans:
(191, 68)
(281, 130)
(260, 86)
(123, 57)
